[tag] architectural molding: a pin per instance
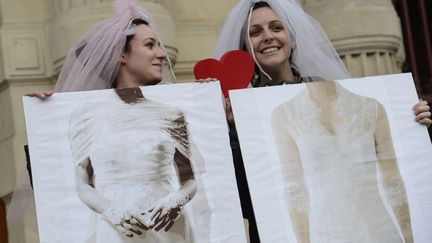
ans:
(25, 51)
(365, 33)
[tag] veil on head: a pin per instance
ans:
(92, 63)
(313, 53)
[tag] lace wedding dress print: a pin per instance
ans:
(331, 172)
(131, 148)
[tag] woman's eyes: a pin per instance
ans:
(277, 28)
(150, 44)
(254, 32)
(257, 31)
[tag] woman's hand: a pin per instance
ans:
(206, 80)
(125, 220)
(422, 113)
(165, 211)
(228, 112)
(41, 94)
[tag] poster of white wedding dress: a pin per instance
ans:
(133, 165)
(341, 162)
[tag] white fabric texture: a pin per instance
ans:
(131, 148)
(339, 169)
(313, 54)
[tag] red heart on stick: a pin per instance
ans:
(234, 71)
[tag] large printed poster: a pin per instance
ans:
(150, 164)
(337, 161)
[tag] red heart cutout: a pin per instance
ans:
(234, 71)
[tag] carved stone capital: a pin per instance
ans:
(366, 33)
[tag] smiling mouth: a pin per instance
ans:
(271, 49)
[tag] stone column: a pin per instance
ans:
(25, 66)
(198, 23)
(366, 33)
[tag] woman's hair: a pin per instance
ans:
(134, 22)
(260, 5)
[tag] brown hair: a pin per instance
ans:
(135, 22)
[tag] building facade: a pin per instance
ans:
(36, 35)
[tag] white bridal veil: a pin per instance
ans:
(313, 53)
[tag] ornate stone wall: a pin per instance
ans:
(366, 33)
(197, 23)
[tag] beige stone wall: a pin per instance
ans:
(197, 26)
(366, 33)
(35, 36)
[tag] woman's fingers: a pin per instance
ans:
(425, 121)
(421, 106)
(169, 225)
(206, 80)
(40, 94)
(166, 221)
(124, 231)
(137, 223)
(129, 227)
(423, 115)
(155, 217)
(161, 222)
(228, 112)
(143, 221)
(172, 216)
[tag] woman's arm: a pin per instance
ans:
(393, 184)
(86, 192)
(116, 215)
(295, 188)
(165, 211)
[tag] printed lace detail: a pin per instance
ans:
(396, 194)
(298, 199)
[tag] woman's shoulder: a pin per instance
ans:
(84, 112)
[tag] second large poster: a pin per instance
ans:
(337, 161)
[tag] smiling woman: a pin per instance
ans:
(270, 43)
(288, 47)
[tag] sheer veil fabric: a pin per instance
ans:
(313, 53)
(92, 63)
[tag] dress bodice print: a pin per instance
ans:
(340, 169)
